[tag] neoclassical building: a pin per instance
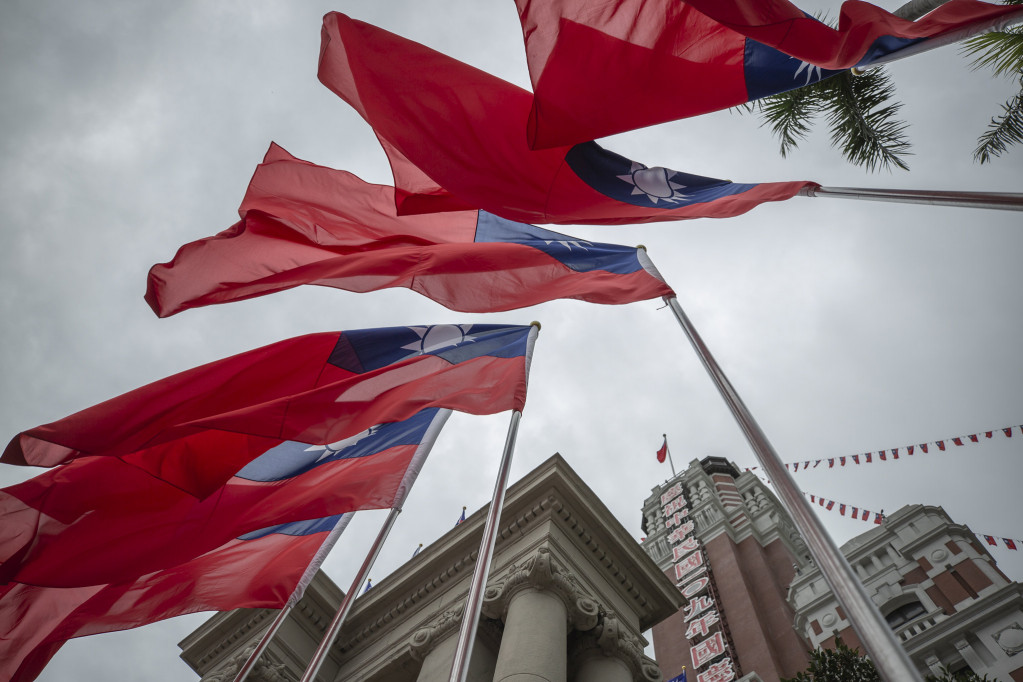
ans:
(938, 587)
(570, 594)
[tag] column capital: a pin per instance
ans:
(611, 639)
(539, 573)
(263, 671)
(423, 640)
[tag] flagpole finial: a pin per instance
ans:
(641, 246)
(536, 324)
(665, 435)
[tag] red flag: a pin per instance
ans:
(941, 444)
(882, 456)
(1011, 544)
(454, 137)
(812, 499)
(973, 438)
(877, 519)
(923, 447)
(100, 520)
(831, 463)
(895, 453)
(662, 454)
(258, 570)
(795, 466)
(841, 509)
(866, 515)
(868, 458)
(909, 450)
(990, 540)
(831, 504)
(989, 434)
(602, 69)
(856, 459)
(1007, 432)
(307, 224)
(196, 428)
(855, 512)
(957, 441)
(841, 461)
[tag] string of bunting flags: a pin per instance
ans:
(866, 515)
(894, 453)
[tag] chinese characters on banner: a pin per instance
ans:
(703, 622)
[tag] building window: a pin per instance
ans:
(904, 614)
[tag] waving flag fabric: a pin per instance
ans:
(100, 520)
(455, 137)
(306, 224)
(256, 570)
(197, 428)
(600, 68)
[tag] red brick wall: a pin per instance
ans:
(973, 576)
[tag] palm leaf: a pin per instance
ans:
(1003, 131)
(863, 122)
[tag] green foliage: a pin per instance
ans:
(1002, 52)
(843, 664)
(840, 664)
(860, 114)
(966, 676)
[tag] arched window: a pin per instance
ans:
(905, 613)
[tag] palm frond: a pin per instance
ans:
(863, 121)
(790, 115)
(1001, 51)
(1003, 131)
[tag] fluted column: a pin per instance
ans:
(538, 604)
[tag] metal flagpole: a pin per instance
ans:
(474, 602)
(411, 473)
(346, 605)
(1005, 201)
(887, 654)
(296, 595)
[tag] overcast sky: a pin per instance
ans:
(132, 128)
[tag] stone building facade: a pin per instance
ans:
(569, 596)
(940, 590)
(751, 552)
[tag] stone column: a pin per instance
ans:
(434, 646)
(609, 653)
(538, 604)
(535, 643)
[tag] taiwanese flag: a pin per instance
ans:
(1011, 544)
(261, 569)
(940, 444)
(662, 453)
(957, 441)
(841, 509)
(306, 224)
(990, 540)
(455, 138)
(197, 428)
(101, 520)
(866, 515)
(973, 438)
(603, 68)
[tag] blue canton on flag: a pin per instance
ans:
(624, 180)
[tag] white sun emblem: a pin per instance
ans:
(568, 244)
(813, 73)
(438, 336)
(335, 448)
(655, 183)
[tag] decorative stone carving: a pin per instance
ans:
(610, 638)
(938, 555)
(539, 572)
(1010, 639)
(263, 671)
(425, 639)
